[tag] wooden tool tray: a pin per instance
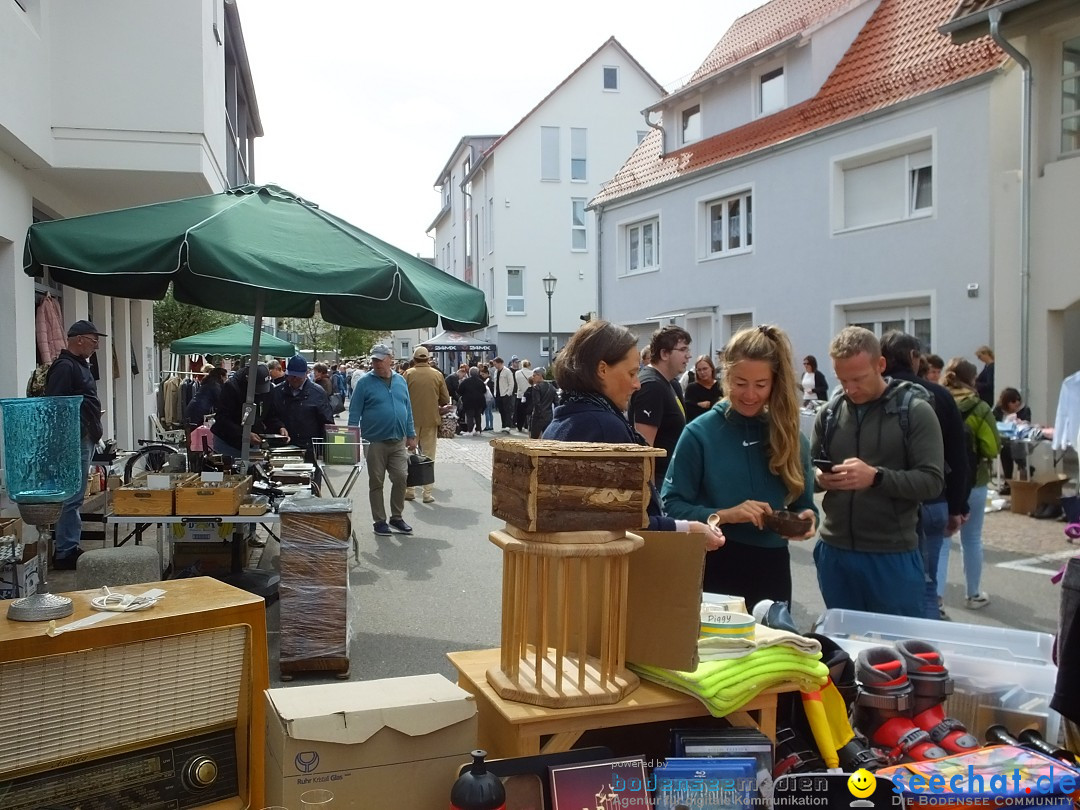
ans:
(136, 499)
(212, 498)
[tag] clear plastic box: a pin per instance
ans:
(1001, 674)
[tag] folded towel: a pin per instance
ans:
(714, 648)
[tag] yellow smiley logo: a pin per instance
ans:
(862, 783)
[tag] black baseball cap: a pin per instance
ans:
(84, 328)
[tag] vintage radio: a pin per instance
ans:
(155, 708)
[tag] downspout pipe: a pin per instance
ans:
(1025, 194)
(663, 132)
(599, 261)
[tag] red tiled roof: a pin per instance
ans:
(975, 12)
(898, 55)
(764, 27)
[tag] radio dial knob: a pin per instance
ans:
(201, 772)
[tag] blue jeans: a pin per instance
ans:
(68, 529)
(891, 582)
(970, 545)
(933, 518)
(489, 416)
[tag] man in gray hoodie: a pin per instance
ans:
(884, 443)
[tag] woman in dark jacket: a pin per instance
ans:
(205, 400)
(471, 391)
(704, 391)
(597, 371)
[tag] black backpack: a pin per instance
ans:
(971, 441)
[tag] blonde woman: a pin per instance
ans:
(758, 463)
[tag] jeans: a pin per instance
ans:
(68, 529)
(388, 458)
(489, 415)
(933, 518)
(970, 545)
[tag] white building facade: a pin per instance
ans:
(106, 104)
(524, 202)
(802, 179)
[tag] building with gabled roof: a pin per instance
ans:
(522, 201)
(830, 163)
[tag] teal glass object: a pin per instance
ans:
(42, 453)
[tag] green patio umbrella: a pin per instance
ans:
(252, 250)
(232, 339)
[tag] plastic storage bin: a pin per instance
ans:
(1001, 675)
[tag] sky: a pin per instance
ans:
(362, 104)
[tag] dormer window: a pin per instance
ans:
(691, 124)
(611, 77)
(771, 91)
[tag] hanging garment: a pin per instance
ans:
(49, 329)
(1067, 421)
(174, 409)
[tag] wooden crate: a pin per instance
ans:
(136, 499)
(546, 486)
(203, 498)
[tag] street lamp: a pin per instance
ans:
(549, 288)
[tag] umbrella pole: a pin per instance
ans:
(253, 369)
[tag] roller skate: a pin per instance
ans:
(932, 684)
(884, 707)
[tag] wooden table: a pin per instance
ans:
(511, 729)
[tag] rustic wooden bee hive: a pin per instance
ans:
(546, 486)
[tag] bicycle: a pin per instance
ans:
(154, 456)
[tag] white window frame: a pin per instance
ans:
(1062, 115)
(881, 313)
(579, 139)
(446, 194)
(490, 231)
(917, 151)
(515, 298)
(691, 137)
(549, 154)
(576, 229)
(603, 78)
(705, 207)
(759, 76)
(544, 344)
(735, 321)
(636, 228)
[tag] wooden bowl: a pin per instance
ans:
(788, 524)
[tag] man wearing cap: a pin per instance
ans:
(430, 400)
(70, 375)
(380, 406)
(228, 427)
(299, 410)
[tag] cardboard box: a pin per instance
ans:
(19, 578)
(202, 531)
(1026, 496)
(397, 742)
(11, 525)
(202, 560)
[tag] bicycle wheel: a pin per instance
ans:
(152, 458)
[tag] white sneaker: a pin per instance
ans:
(979, 600)
(410, 495)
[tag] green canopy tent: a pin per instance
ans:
(233, 339)
(253, 250)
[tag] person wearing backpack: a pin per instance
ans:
(941, 516)
(70, 375)
(879, 455)
(983, 445)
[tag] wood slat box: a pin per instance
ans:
(136, 499)
(314, 589)
(546, 486)
(197, 497)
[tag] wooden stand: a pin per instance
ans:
(547, 596)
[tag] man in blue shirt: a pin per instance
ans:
(381, 407)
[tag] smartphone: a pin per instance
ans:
(823, 464)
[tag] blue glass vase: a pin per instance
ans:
(42, 448)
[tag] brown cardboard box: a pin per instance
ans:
(1028, 495)
(19, 577)
(396, 742)
(213, 559)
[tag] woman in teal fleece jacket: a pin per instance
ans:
(745, 459)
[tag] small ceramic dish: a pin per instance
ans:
(722, 624)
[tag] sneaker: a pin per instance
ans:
(381, 528)
(410, 495)
(68, 562)
(1004, 490)
(943, 615)
(979, 600)
(400, 525)
(429, 498)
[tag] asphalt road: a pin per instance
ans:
(415, 598)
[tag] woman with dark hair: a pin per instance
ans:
(984, 381)
(1010, 408)
(205, 400)
(743, 460)
(704, 391)
(959, 378)
(814, 384)
(597, 371)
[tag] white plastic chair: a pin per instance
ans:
(159, 434)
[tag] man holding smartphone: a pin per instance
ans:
(885, 445)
